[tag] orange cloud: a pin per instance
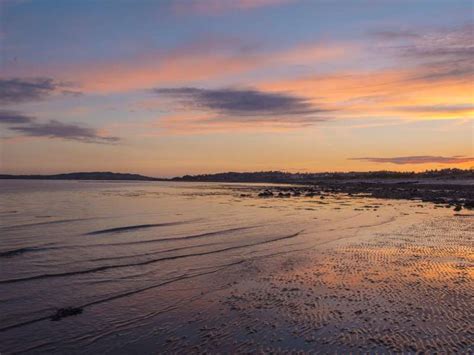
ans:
(432, 79)
(388, 92)
(192, 123)
(147, 72)
(405, 94)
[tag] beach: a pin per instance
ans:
(178, 267)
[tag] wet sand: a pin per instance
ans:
(409, 290)
(217, 269)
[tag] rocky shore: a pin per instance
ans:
(453, 195)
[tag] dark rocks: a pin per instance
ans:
(66, 312)
(469, 204)
(448, 195)
(266, 193)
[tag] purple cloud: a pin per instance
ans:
(14, 117)
(241, 102)
(418, 159)
(19, 90)
(28, 126)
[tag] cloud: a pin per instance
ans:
(432, 78)
(452, 109)
(419, 159)
(441, 53)
(72, 93)
(231, 110)
(436, 54)
(18, 90)
(14, 117)
(198, 60)
(28, 126)
(390, 35)
(456, 42)
(217, 7)
(241, 102)
(197, 123)
(56, 129)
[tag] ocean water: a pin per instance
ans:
(131, 255)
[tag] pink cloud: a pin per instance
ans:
(204, 60)
(191, 123)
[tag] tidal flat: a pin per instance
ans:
(178, 267)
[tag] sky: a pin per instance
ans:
(174, 87)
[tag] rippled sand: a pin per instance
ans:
(158, 267)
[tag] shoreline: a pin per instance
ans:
(457, 193)
(442, 194)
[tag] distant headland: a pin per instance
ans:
(262, 176)
(97, 175)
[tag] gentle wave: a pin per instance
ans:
(108, 267)
(121, 295)
(138, 226)
(33, 249)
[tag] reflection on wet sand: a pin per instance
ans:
(406, 291)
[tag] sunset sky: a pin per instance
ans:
(166, 88)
